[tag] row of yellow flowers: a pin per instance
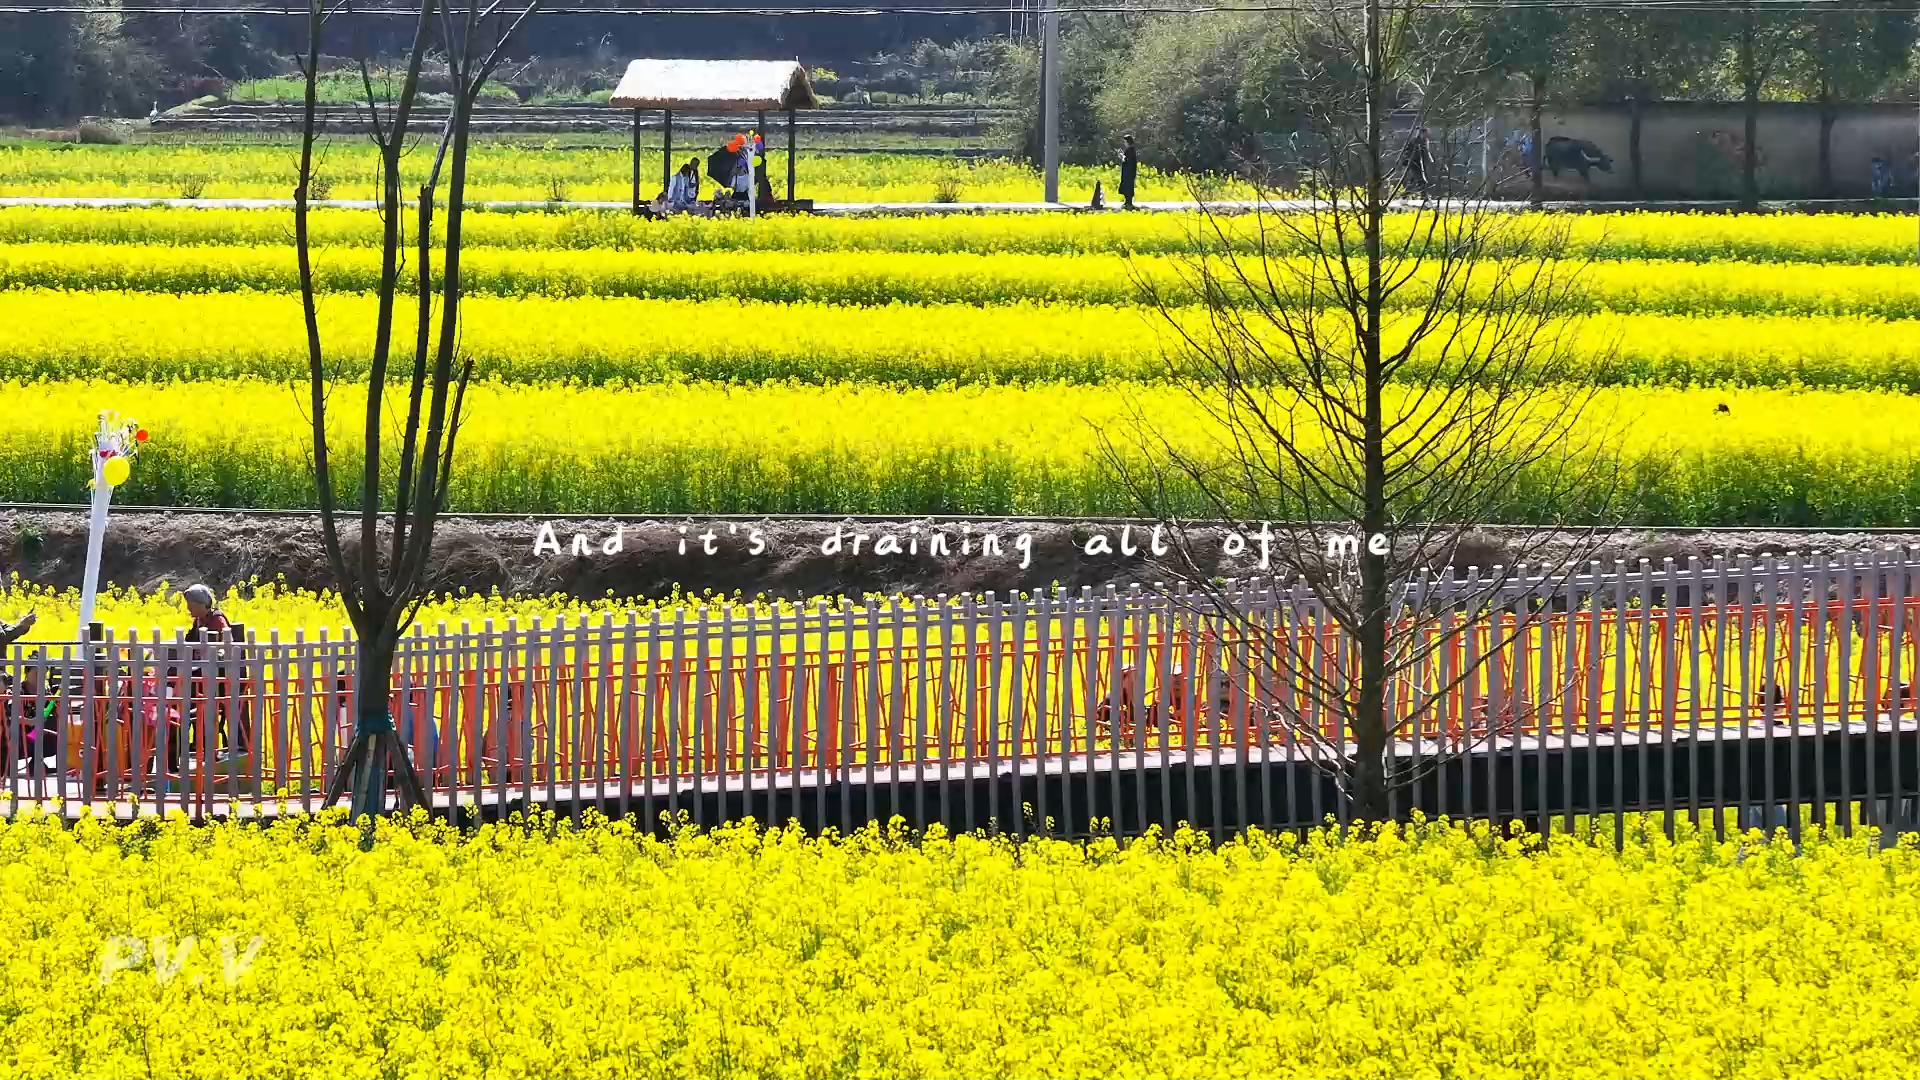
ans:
(1429, 950)
(163, 337)
(275, 606)
(1779, 456)
(913, 277)
(1825, 238)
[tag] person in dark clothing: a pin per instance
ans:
(762, 186)
(1415, 158)
(230, 721)
(1129, 171)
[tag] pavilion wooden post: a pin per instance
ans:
(636, 161)
(666, 154)
(789, 158)
(760, 127)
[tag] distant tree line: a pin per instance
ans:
(58, 67)
(1207, 93)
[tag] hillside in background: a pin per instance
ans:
(59, 67)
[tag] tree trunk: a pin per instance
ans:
(1750, 87)
(1537, 167)
(1826, 145)
(1369, 719)
(372, 718)
(377, 752)
(1750, 156)
(377, 596)
(1636, 113)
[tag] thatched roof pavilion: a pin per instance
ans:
(755, 86)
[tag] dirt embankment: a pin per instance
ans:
(778, 557)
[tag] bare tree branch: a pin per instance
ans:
(1388, 360)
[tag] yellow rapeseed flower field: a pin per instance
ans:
(559, 950)
(1775, 456)
(866, 278)
(163, 337)
(1824, 238)
(271, 606)
(907, 366)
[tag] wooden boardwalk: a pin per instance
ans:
(1533, 779)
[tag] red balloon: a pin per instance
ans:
(140, 436)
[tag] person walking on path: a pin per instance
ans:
(1129, 171)
(1415, 158)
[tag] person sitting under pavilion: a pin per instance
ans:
(684, 190)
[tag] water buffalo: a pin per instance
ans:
(1577, 154)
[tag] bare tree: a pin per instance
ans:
(1377, 359)
(381, 585)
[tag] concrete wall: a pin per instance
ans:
(1694, 150)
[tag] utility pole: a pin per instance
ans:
(1050, 97)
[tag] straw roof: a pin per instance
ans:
(715, 86)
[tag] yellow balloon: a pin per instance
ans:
(115, 471)
(758, 161)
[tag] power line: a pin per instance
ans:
(1836, 7)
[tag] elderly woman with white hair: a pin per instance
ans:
(208, 619)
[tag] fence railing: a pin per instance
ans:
(1781, 684)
